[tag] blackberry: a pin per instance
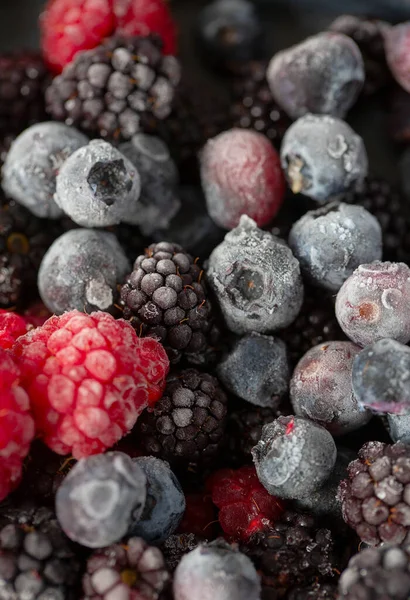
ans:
(36, 559)
(293, 552)
(165, 297)
(130, 570)
(176, 546)
(23, 80)
(253, 106)
(316, 591)
(107, 90)
(315, 324)
(391, 210)
(187, 424)
(376, 496)
(24, 239)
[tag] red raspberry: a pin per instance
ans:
(12, 326)
(36, 315)
(16, 425)
(88, 378)
(69, 26)
(245, 506)
(199, 516)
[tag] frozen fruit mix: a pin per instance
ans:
(192, 280)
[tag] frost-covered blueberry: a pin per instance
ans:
(256, 369)
(33, 162)
(158, 202)
(321, 388)
(100, 497)
(322, 75)
(323, 157)
(373, 303)
(381, 377)
(81, 270)
(97, 186)
(399, 428)
(332, 241)
(165, 505)
(294, 457)
(216, 571)
(256, 280)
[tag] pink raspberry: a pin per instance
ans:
(88, 378)
(16, 425)
(12, 326)
(397, 45)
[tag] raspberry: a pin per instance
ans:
(12, 326)
(88, 377)
(69, 26)
(397, 44)
(16, 425)
(246, 508)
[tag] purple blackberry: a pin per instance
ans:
(376, 496)
(130, 570)
(176, 546)
(253, 106)
(188, 423)
(165, 297)
(108, 90)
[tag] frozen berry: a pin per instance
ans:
(381, 377)
(88, 378)
(97, 186)
(199, 516)
(82, 270)
(165, 504)
(100, 497)
(16, 425)
(69, 26)
(323, 157)
(245, 507)
(399, 427)
(12, 326)
(159, 201)
(332, 241)
(321, 388)
(294, 457)
(372, 304)
(177, 545)
(399, 114)
(241, 175)
(216, 571)
(33, 162)
(256, 369)
(397, 44)
(256, 280)
(322, 75)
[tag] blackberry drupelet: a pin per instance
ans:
(376, 496)
(107, 90)
(130, 570)
(165, 297)
(391, 210)
(316, 591)
(176, 546)
(253, 106)
(187, 425)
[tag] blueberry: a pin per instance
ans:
(321, 388)
(216, 571)
(256, 369)
(294, 457)
(33, 162)
(256, 280)
(81, 270)
(159, 201)
(332, 241)
(98, 186)
(322, 75)
(381, 377)
(230, 32)
(100, 497)
(323, 157)
(399, 428)
(165, 503)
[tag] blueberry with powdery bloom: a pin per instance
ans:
(323, 157)
(294, 457)
(322, 75)
(97, 186)
(99, 499)
(332, 241)
(321, 388)
(256, 280)
(373, 303)
(381, 377)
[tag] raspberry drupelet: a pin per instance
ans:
(88, 378)
(12, 326)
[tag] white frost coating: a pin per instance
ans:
(99, 498)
